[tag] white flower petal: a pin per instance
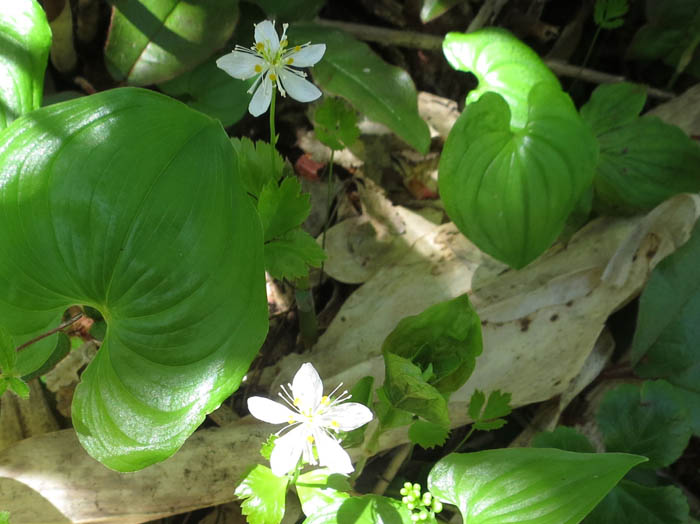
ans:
(298, 88)
(265, 32)
(307, 387)
(269, 411)
(331, 454)
(347, 416)
(261, 99)
(241, 65)
(285, 455)
(307, 56)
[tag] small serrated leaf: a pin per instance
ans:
(289, 256)
(268, 446)
(317, 490)
(335, 124)
(427, 435)
(608, 14)
(282, 207)
(258, 163)
(488, 418)
(19, 386)
(263, 494)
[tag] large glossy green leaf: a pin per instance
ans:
(502, 64)
(383, 92)
(510, 192)
(151, 41)
(129, 202)
(536, 486)
(643, 161)
(25, 39)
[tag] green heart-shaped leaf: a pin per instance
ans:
(502, 64)
(152, 41)
(537, 486)
(510, 192)
(25, 39)
(130, 202)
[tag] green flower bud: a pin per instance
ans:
(437, 506)
(423, 515)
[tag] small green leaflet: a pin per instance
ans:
(367, 509)
(289, 256)
(488, 418)
(650, 421)
(8, 359)
(565, 438)
(268, 446)
(608, 14)
(263, 494)
(19, 386)
(632, 502)
(406, 389)
(4, 515)
(282, 207)
(427, 434)
(335, 124)
(258, 164)
(318, 490)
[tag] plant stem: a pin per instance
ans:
(63, 325)
(273, 136)
(588, 55)
(308, 323)
(466, 437)
(328, 200)
(392, 469)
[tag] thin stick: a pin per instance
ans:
(49, 333)
(392, 469)
(434, 43)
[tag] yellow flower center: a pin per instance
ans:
(310, 438)
(258, 68)
(273, 77)
(290, 61)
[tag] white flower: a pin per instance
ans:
(270, 60)
(312, 419)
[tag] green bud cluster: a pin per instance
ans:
(420, 506)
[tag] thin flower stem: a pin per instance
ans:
(273, 135)
(308, 322)
(329, 193)
(466, 437)
(49, 333)
(585, 59)
(328, 198)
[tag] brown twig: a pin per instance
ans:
(434, 42)
(63, 325)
